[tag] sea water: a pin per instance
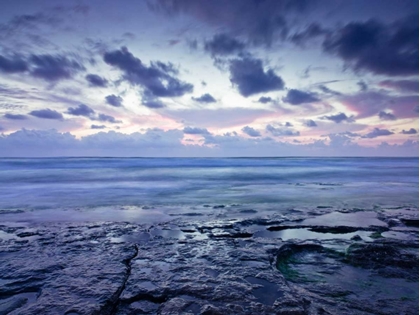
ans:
(152, 187)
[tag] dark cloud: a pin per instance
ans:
(86, 111)
(288, 124)
(47, 114)
(96, 81)
(261, 22)
(223, 45)
(265, 99)
(381, 49)
(81, 110)
(15, 116)
(251, 131)
(168, 67)
(114, 100)
(327, 90)
(195, 131)
(310, 123)
(97, 127)
(14, 64)
(412, 131)
(312, 31)
(250, 78)
(108, 118)
(401, 85)
(378, 133)
(53, 67)
(205, 98)
(281, 131)
(152, 102)
(339, 118)
(158, 81)
(363, 86)
(297, 97)
(386, 116)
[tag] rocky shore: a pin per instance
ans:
(329, 261)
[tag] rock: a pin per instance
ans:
(122, 269)
(10, 304)
(411, 222)
(210, 310)
(173, 306)
(356, 238)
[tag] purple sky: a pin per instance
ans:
(209, 78)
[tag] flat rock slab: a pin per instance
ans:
(220, 267)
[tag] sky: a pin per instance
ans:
(209, 78)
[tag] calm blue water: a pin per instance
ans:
(64, 183)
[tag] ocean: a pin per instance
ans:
(153, 188)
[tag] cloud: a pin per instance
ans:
(250, 78)
(281, 131)
(370, 103)
(14, 64)
(156, 142)
(338, 118)
(46, 114)
(53, 67)
(108, 118)
(168, 67)
(310, 123)
(327, 90)
(15, 116)
(297, 97)
(152, 102)
(311, 32)
(378, 133)
(217, 118)
(97, 127)
(86, 111)
(265, 100)
(53, 143)
(401, 85)
(363, 86)
(205, 98)
(251, 131)
(288, 124)
(260, 22)
(96, 81)
(114, 100)
(378, 48)
(412, 131)
(223, 45)
(81, 110)
(195, 131)
(156, 79)
(386, 116)
(28, 21)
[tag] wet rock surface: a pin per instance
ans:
(286, 264)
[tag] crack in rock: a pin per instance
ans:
(111, 306)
